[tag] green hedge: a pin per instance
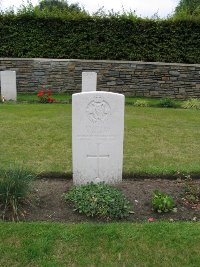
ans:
(100, 38)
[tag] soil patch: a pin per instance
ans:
(49, 204)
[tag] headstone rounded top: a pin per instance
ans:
(9, 71)
(99, 93)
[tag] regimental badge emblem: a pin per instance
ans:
(98, 109)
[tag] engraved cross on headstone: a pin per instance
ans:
(98, 156)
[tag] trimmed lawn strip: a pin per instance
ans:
(114, 244)
(161, 141)
(157, 140)
(37, 136)
(129, 100)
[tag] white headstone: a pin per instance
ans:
(89, 81)
(97, 137)
(8, 85)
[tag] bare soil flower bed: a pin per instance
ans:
(48, 203)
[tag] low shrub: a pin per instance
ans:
(167, 103)
(162, 202)
(192, 103)
(14, 190)
(99, 200)
(141, 103)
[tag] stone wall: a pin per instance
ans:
(127, 77)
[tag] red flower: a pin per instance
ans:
(50, 99)
(41, 93)
(49, 92)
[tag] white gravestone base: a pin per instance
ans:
(97, 137)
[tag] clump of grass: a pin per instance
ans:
(14, 191)
(99, 200)
(141, 103)
(192, 103)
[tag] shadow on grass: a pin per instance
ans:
(125, 176)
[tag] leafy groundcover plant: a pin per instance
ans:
(162, 202)
(99, 200)
(14, 191)
(192, 103)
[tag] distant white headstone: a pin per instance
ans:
(97, 137)
(8, 85)
(89, 81)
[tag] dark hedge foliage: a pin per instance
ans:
(100, 38)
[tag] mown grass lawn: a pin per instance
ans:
(157, 140)
(114, 244)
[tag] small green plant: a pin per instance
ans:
(100, 200)
(141, 103)
(162, 202)
(14, 190)
(167, 103)
(192, 103)
(192, 190)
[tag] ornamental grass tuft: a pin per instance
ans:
(15, 187)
